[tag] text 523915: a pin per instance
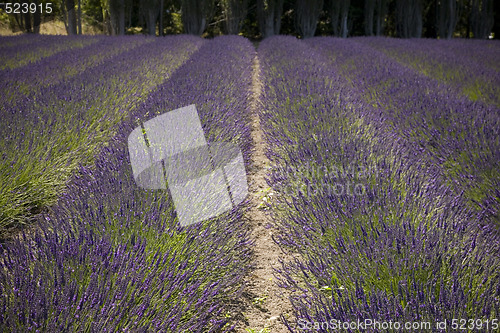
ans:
(25, 7)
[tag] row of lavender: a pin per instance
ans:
(111, 256)
(29, 80)
(58, 111)
(469, 67)
(459, 135)
(381, 236)
(19, 51)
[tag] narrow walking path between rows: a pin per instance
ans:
(264, 301)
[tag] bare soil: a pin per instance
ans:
(263, 302)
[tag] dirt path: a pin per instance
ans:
(264, 302)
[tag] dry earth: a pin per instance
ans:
(263, 301)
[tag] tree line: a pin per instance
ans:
(263, 18)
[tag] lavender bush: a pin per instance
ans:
(405, 249)
(111, 256)
(48, 131)
(469, 67)
(31, 50)
(28, 80)
(453, 132)
(9, 41)
(384, 178)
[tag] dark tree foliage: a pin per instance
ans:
(93, 13)
(256, 19)
(430, 19)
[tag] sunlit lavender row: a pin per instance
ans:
(380, 233)
(30, 79)
(50, 129)
(16, 41)
(459, 135)
(31, 50)
(383, 182)
(471, 68)
(111, 256)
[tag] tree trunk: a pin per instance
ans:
(117, 16)
(70, 9)
(447, 19)
(344, 29)
(195, 15)
(306, 16)
(160, 23)
(151, 21)
(380, 17)
(496, 19)
(482, 18)
(278, 11)
(268, 29)
(335, 16)
(409, 18)
(79, 18)
(269, 17)
(344, 12)
(27, 22)
(369, 14)
(121, 18)
(339, 14)
(235, 12)
(37, 21)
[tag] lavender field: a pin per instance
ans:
(384, 183)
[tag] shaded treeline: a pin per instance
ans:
(264, 18)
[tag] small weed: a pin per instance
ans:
(265, 197)
(254, 330)
(259, 300)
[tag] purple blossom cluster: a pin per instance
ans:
(49, 129)
(408, 249)
(111, 256)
